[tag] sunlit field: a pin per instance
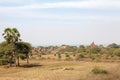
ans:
(60, 70)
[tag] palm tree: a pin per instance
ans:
(7, 35)
(12, 36)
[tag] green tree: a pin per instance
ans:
(81, 49)
(23, 49)
(95, 50)
(113, 45)
(6, 51)
(12, 36)
(59, 55)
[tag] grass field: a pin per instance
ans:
(60, 70)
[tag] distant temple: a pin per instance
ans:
(92, 44)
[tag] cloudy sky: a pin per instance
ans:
(56, 22)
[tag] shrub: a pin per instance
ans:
(59, 56)
(42, 53)
(67, 56)
(97, 70)
(96, 57)
(81, 55)
(117, 52)
(3, 61)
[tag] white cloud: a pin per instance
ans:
(71, 4)
(76, 4)
(25, 11)
(11, 1)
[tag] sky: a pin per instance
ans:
(57, 22)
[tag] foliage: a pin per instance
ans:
(79, 56)
(97, 70)
(59, 56)
(95, 57)
(23, 48)
(117, 52)
(3, 61)
(81, 49)
(67, 55)
(114, 45)
(12, 36)
(6, 49)
(95, 50)
(68, 49)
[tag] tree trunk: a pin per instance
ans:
(18, 62)
(10, 60)
(15, 62)
(27, 59)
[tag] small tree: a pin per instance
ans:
(23, 49)
(59, 56)
(67, 56)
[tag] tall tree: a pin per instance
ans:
(12, 36)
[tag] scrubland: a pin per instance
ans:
(60, 70)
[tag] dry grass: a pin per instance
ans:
(60, 70)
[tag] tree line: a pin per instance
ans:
(92, 51)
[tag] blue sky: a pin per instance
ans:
(57, 22)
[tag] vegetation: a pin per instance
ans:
(12, 48)
(59, 56)
(15, 51)
(97, 70)
(12, 37)
(60, 70)
(90, 52)
(67, 56)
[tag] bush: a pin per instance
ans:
(97, 70)
(67, 56)
(80, 55)
(42, 53)
(117, 52)
(96, 57)
(3, 61)
(59, 56)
